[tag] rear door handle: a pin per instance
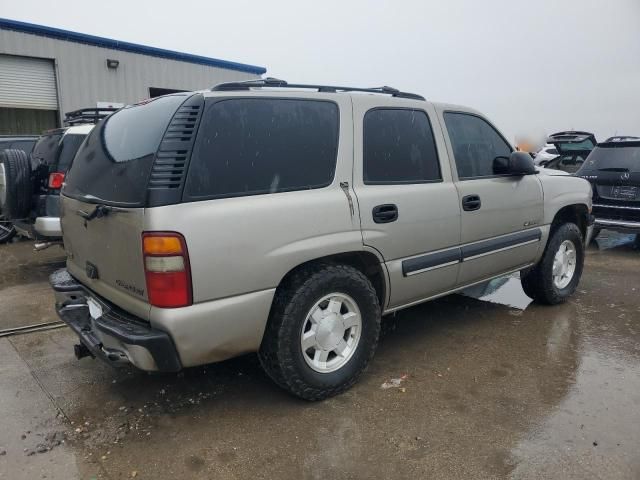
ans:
(385, 213)
(471, 203)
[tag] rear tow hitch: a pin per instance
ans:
(80, 351)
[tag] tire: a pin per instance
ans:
(539, 283)
(281, 353)
(7, 230)
(15, 184)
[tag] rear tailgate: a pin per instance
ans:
(105, 253)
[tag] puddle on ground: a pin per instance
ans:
(503, 291)
(607, 240)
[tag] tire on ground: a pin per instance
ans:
(18, 186)
(538, 282)
(281, 352)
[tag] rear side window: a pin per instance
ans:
(475, 144)
(69, 148)
(260, 145)
(399, 147)
(114, 163)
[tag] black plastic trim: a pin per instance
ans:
(488, 246)
(115, 323)
(431, 260)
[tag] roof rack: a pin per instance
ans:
(277, 83)
(87, 115)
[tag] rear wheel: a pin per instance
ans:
(557, 275)
(15, 184)
(322, 332)
(7, 230)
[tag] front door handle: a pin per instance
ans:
(385, 213)
(471, 203)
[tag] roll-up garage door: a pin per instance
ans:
(27, 82)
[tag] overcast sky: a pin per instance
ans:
(532, 66)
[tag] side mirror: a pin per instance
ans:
(518, 163)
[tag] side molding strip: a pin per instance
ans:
(494, 245)
(452, 256)
(431, 261)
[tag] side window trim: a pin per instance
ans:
(471, 114)
(401, 182)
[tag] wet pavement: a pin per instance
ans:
(480, 385)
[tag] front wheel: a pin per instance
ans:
(322, 332)
(557, 275)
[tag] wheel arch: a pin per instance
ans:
(363, 260)
(577, 213)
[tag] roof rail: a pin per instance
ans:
(277, 83)
(87, 115)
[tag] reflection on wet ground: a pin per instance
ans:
(492, 388)
(504, 291)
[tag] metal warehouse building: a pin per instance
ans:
(45, 72)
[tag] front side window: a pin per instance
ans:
(475, 144)
(250, 146)
(399, 147)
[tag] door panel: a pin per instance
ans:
(500, 214)
(426, 221)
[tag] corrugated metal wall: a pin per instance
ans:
(84, 79)
(27, 82)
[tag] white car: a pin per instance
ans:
(545, 154)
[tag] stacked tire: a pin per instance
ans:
(15, 190)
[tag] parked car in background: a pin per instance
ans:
(546, 153)
(205, 225)
(613, 168)
(18, 142)
(30, 184)
(572, 147)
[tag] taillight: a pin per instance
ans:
(166, 268)
(56, 179)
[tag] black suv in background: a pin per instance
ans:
(613, 168)
(30, 184)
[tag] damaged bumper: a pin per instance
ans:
(109, 333)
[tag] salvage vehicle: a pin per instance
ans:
(613, 168)
(30, 183)
(572, 147)
(287, 219)
(18, 142)
(545, 154)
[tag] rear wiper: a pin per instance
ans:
(99, 212)
(613, 169)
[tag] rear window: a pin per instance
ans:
(250, 146)
(616, 158)
(113, 165)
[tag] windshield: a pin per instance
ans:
(618, 158)
(567, 147)
(113, 165)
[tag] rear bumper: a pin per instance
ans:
(114, 336)
(48, 227)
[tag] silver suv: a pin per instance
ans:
(288, 219)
